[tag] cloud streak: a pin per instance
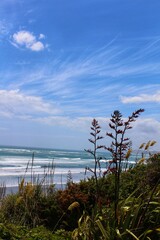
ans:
(105, 65)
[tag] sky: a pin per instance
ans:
(63, 63)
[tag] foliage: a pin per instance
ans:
(137, 219)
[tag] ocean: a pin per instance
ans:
(40, 164)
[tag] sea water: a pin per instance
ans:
(24, 162)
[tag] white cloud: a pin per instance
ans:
(142, 98)
(24, 37)
(37, 46)
(28, 40)
(15, 103)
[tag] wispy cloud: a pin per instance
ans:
(107, 64)
(98, 66)
(28, 40)
(110, 61)
(95, 83)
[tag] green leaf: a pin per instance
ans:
(154, 203)
(102, 229)
(132, 234)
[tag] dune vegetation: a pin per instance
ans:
(121, 203)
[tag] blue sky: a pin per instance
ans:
(63, 63)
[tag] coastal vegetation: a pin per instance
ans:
(122, 202)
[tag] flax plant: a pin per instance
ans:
(119, 147)
(95, 131)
